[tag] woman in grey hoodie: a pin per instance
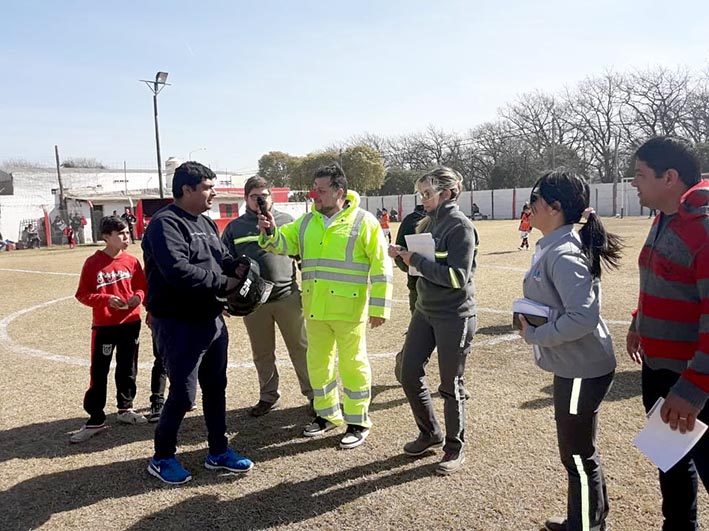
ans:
(574, 343)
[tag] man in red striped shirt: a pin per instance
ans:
(669, 333)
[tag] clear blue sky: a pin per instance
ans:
(295, 76)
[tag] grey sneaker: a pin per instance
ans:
(451, 462)
(131, 417)
(86, 432)
(421, 445)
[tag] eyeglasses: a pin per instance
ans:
(428, 194)
(263, 196)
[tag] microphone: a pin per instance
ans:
(264, 211)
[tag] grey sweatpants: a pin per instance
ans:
(452, 337)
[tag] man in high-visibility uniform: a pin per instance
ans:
(343, 250)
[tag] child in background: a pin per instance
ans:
(525, 227)
(113, 284)
(384, 222)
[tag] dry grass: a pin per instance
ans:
(512, 480)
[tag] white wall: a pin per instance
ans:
(601, 200)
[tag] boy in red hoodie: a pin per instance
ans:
(113, 284)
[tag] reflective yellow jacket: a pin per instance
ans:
(338, 263)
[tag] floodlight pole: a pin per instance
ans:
(156, 86)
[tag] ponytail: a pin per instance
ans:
(599, 245)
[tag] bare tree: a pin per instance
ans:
(658, 103)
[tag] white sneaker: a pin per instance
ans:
(131, 417)
(86, 432)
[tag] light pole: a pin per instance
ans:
(189, 157)
(156, 86)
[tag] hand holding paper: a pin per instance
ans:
(422, 244)
(664, 446)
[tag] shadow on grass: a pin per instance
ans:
(31, 503)
(496, 330)
(289, 502)
(626, 385)
(51, 439)
(501, 252)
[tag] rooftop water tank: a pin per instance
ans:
(171, 165)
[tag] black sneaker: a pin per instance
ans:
(318, 427)
(262, 407)
(354, 436)
(555, 523)
(422, 444)
(155, 410)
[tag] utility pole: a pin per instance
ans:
(62, 201)
(156, 86)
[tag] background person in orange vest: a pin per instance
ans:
(525, 227)
(384, 222)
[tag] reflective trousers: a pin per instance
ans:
(341, 344)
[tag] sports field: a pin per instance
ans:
(512, 480)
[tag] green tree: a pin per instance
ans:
(398, 181)
(364, 168)
(277, 168)
(304, 172)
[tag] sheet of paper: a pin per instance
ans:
(422, 244)
(663, 446)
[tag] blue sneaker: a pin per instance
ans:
(230, 461)
(169, 471)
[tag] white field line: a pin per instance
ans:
(39, 272)
(6, 341)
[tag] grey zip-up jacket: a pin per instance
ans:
(575, 343)
(447, 286)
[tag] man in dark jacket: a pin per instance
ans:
(284, 306)
(408, 226)
(187, 267)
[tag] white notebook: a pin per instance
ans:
(534, 312)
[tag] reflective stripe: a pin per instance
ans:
(329, 275)
(378, 301)
(355, 419)
(349, 252)
(325, 390)
(301, 234)
(245, 239)
(382, 278)
(575, 393)
(355, 395)
(454, 278)
(334, 410)
(339, 264)
(441, 254)
(585, 495)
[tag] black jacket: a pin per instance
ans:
(186, 265)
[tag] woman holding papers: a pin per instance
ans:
(443, 318)
(574, 343)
